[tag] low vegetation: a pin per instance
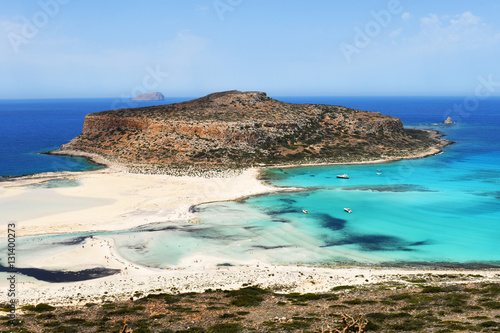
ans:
(388, 307)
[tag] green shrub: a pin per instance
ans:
(492, 305)
(42, 307)
(249, 296)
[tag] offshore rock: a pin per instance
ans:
(448, 121)
(156, 96)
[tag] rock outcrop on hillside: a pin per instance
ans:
(236, 128)
(156, 96)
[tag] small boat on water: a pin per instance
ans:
(379, 173)
(305, 211)
(348, 210)
(379, 170)
(344, 176)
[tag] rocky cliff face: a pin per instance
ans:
(243, 128)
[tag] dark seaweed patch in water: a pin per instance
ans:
(63, 276)
(288, 201)
(281, 211)
(211, 233)
(280, 220)
(270, 247)
(221, 237)
(152, 228)
(390, 188)
(486, 174)
(252, 228)
(377, 243)
(72, 241)
(329, 221)
(139, 248)
(420, 243)
(192, 229)
(495, 194)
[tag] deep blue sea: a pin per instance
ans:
(440, 209)
(33, 126)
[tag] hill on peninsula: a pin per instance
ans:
(237, 129)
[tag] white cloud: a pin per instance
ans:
(466, 18)
(465, 31)
(406, 16)
(396, 33)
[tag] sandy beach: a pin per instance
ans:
(113, 199)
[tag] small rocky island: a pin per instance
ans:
(155, 96)
(448, 121)
(241, 129)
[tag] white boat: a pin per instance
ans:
(305, 211)
(344, 176)
(348, 210)
(379, 173)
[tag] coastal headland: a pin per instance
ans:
(238, 129)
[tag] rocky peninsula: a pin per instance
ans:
(243, 129)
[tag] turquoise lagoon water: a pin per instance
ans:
(440, 209)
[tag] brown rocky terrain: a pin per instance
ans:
(431, 303)
(236, 128)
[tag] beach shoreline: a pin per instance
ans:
(250, 178)
(119, 200)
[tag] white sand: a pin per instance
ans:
(114, 200)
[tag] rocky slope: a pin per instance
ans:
(236, 128)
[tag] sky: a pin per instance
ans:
(120, 48)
